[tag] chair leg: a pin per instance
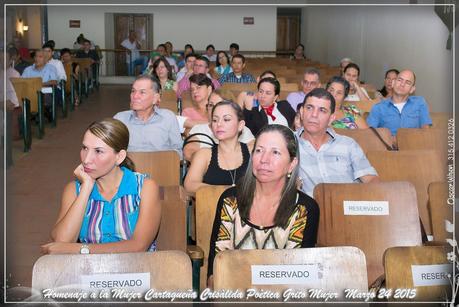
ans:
(64, 102)
(72, 94)
(26, 131)
(53, 109)
(41, 120)
(196, 265)
(80, 87)
(86, 85)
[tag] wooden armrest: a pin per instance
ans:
(195, 252)
(436, 243)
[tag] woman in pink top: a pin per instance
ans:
(200, 88)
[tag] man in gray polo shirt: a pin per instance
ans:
(150, 128)
(327, 157)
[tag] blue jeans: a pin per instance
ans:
(143, 60)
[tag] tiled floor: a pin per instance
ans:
(36, 180)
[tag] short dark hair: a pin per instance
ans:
(48, 45)
(312, 71)
(155, 84)
(391, 70)
(273, 81)
(352, 65)
(268, 72)
(322, 94)
(51, 42)
(203, 58)
(162, 45)
(201, 79)
(65, 50)
(194, 55)
(210, 46)
(235, 46)
(240, 56)
(86, 41)
(340, 80)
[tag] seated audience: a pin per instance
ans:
(347, 116)
(165, 50)
(40, 68)
(48, 51)
(222, 64)
(389, 78)
(16, 61)
(310, 81)
(201, 89)
(23, 52)
(233, 49)
(162, 71)
(326, 156)
(170, 52)
(225, 163)
(238, 75)
(87, 52)
(299, 53)
(150, 128)
(200, 66)
(356, 92)
(109, 208)
(265, 110)
(187, 70)
(401, 110)
(265, 210)
(210, 53)
(204, 134)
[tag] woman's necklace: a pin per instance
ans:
(233, 176)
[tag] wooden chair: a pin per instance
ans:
(440, 120)
(169, 101)
(172, 233)
(85, 75)
(401, 269)
(28, 90)
(343, 223)
(289, 87)
(431, 138)
(420, 167)
(331, 269)
(439, 210)
(367, 139)
(167, 270)
(162, 166)
(236, 88)
(186, 100)
(206, 204)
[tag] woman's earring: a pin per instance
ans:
(289, 175)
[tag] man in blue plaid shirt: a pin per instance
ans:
(237, 76)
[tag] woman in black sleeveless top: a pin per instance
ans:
(225, 163)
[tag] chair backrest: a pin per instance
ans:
(372, 217)
(186, 100)
(432, 138)
(172, 233)
(439, 210)
(289, 87)
(331, 269)
(162, 166)
(420, 167)
(206, 204)
(84, 63)
(422, 268)
(367, 138)
(236, 88)
(167, 270)
(440, 120)
(28, 88)
(169, 101)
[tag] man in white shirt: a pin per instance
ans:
(48, 51)
(133, 57)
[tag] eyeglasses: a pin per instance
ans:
(308, 84)
(209, 105)
(200, 65)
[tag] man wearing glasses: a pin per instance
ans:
(311, 80)
(200, 66)
(401, 110)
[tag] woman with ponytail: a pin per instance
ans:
(109, 208)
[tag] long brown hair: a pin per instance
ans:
(115, 134)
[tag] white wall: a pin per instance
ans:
(379, 38)
(192, 24)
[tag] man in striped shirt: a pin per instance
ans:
(238, 75)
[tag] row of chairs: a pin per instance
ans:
(29, 92)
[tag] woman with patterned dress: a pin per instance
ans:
(348, 116)
(109, 208)
(265, 210)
